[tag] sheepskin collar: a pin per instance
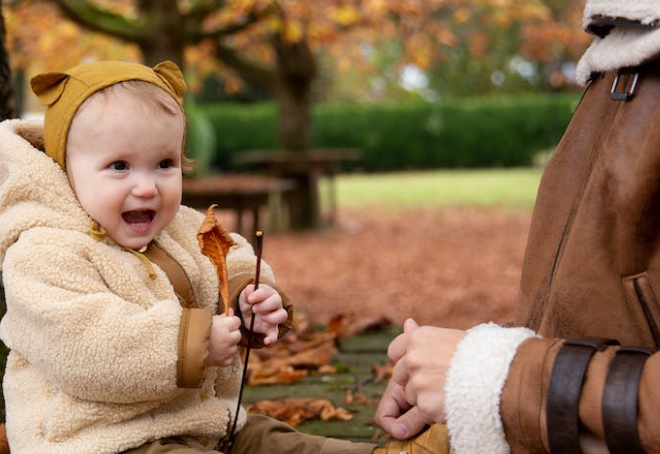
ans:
(623, 46)
(643, 11)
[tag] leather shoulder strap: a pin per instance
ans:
(175, 273)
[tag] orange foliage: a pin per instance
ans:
(427, 29)
(39, 38)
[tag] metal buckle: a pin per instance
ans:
(624, 95)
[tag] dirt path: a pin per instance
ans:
(453, 267)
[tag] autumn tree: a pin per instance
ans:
(277, 43)
(8, 107)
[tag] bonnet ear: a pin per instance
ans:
(49, 86)
(170, 73)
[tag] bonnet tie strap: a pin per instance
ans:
(97, 232)
(140, 254)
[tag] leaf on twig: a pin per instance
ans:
(214, 242)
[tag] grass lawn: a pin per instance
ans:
(508, 188)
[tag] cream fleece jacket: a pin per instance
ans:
(93, 361)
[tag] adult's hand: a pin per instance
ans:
(415, 395)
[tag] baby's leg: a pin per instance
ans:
(264, 435)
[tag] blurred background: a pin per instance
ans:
(392, 148)
(413, 85)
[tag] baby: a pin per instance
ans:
(111, 306)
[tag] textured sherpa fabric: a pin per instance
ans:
(622, 47)
(474, 385)
(93, 361)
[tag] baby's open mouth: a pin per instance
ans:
(140, 217)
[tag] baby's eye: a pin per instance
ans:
(119, 165)
(166, 164)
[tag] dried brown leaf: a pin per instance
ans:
(295, 411)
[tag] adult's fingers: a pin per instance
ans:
(392, 405)
(401, 375)
(413, 421)
(399, 345)
(395, 415)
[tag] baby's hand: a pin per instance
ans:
(267, 306)
(224, 339)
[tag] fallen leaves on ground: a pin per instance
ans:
(452, 267)
(447, 266)
(304, 350)
(296, 411)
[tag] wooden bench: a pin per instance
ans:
(241, 193)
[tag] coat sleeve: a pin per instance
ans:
(64, 320)
(241, 264)
(498, 385)
(525, 397)
(237, 285)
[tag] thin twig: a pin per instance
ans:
(259, 237)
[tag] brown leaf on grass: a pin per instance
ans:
(351, 398)
(291, 368)
(296, 411)
(327, 369)
(381, 372)
(273, 374)
(349, 325)
(295, 343)
(300, 352)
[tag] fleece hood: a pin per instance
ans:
(34, 190)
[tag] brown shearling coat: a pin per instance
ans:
(592, 264)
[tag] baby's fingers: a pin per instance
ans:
(271, 336)
(276, 317)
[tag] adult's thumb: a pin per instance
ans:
(410, 325)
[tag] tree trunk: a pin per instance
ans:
(167, 39)
(296, 72)
(8, 103)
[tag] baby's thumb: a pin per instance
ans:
(410, 325)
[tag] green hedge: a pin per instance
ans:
(472, 133)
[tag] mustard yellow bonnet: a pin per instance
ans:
(63, 92)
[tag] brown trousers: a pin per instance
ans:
(262, 435)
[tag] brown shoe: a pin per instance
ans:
(434, 440)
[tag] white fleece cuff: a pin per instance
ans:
(474, 384)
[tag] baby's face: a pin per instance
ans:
(123, 160)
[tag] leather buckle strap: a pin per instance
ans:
(620, 400)
(625, 84)
(566, 382)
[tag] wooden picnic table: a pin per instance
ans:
(305, 168)
(241, 193)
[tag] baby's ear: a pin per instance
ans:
(49, 86)
(170, 73)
